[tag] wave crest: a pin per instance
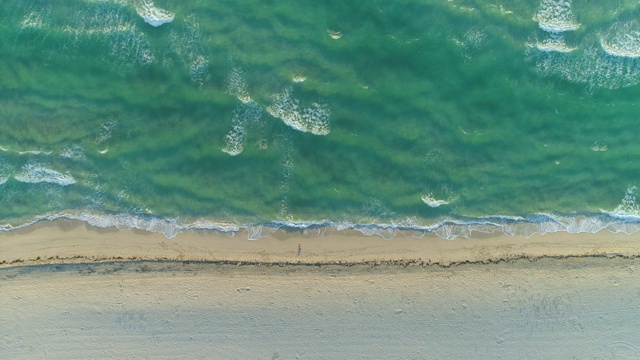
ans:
(622, 40)
(151, 14)
(433, 202)
(555, 43)
(314, 119)
(33, 173)
(451, 229)
(555, 16)
(242, 116)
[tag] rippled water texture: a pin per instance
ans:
(442, 116)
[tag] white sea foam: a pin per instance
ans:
(35, 19)
(236, 85)
(153, 15)
(628, 206)
(554, 43)
(433, 202)
(242, 116)
(599, 147)
(33, 172)
(199, 69)
(185, 42)
(298, 78)
(234, 140)
(105, 131)
(592, 66)
(448, 229)
(5, 172)
(556, 16)
(622, 39)
(335, 35)
(313, 119)
(4, 177)
(471, 41)
(74, 152)
(168, 227)
(26, 152)
(111, 25)
(258, 231)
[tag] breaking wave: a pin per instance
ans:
(35, 18)
(554, 43)
(556, 16)
(313, 119)
(628, 207)
(622, 39)
(449, 229)
(625, 218)
(74, 152)
(433, 202)
(592, 66)
(151, 14)
(33, 173)
(244, 115)
(108, 23)
(236, 85)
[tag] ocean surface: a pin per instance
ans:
(250, 115)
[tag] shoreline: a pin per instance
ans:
(66, 241)
(211, 294)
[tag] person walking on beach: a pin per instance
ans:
(299, 249)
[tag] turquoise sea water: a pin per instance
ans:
(434, 115)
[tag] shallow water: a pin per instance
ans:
(236, 113)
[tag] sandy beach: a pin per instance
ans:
(68, 291)
(582, 308)
(69, 241)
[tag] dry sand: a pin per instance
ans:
(65, 241)
(552, 300)
(581, 308)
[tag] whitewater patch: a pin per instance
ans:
(242, 116)
(433, 202)
(298, 79)
(612, 61)
(168, 227)
(74, 152)
(628, 206)
(622, 39)
(236, 85)
(599, 147)
(33, 173)
(554, 43)
(153, 15)
(313, 119)
(471, 41)
(108, 23)
(592, 66)
(35, 19)
(186, 44)
(449, 229)
(105, 132)
(335, 35)
(556, 16)
(26, 152)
